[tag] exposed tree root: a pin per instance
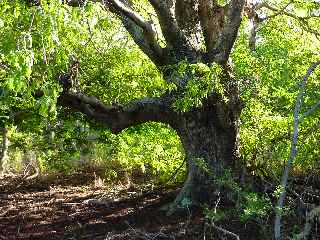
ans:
(184, 198)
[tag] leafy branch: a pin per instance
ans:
(252, 11)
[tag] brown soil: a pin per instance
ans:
(81, 207)
(75, 207)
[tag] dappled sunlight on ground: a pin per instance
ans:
(56, 208)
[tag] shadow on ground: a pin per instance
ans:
(72, 207)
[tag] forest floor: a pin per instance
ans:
(81, 206)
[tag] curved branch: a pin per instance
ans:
(119, 117)
(140, 30)
(135, 17)
(146, 42)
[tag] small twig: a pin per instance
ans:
(225, 231)
(311, 110)
(32, 20)
(148, 236)
(307, 227)
(217, 203)
(44, 52)
(302, 20)
(91, 37)
(173, 175)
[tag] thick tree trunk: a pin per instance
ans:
(209, 136)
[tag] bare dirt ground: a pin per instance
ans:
(79, 206)
(74, 207)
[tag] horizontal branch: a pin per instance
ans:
(72, 3)
(118, 117)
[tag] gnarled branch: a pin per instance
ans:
(119, 117)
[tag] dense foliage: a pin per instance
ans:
(39, 43)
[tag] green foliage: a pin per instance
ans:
(37, 44)
(255, 207)
(248, 204)
(186, 203)
(151, 149)
(270, 77)
(214, 214)
(203, 80)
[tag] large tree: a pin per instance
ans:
(189, 42)
(194, 32)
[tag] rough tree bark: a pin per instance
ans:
(209, 132)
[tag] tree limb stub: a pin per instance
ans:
(118, 117)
